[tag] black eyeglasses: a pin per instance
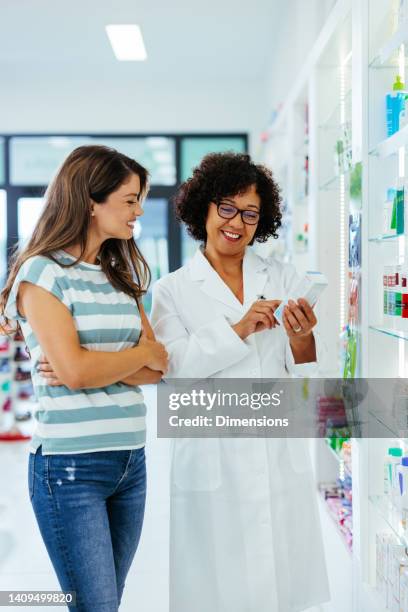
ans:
(229, 211)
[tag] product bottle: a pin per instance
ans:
(399, 211)
(403, 119)
(404, 299)
(394, 103)
(398, 297)
(393, 225)
(385, 294)
(388, 207)
(392, 460)
(402, 473)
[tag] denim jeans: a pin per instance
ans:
(90, 508)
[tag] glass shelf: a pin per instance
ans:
(392, 430)
(391, 516)
(388, 331)
(385, 237)
(329, 123)
(390, 146)
(332, 183)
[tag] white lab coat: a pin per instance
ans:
(244, 530)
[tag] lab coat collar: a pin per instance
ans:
(255, 277)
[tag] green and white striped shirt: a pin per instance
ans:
(84, 420)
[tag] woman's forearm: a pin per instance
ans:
(99, 369)
(145, 376)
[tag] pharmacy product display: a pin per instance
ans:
(337, 494)
(16, 390)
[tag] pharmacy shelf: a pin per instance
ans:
(391, 516)
(391, 145)
(388, 331)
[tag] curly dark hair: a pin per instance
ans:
(222, 175)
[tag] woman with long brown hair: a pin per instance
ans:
(74, 290)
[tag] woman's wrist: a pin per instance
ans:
(303, 348)
(238, 329)
(140, 351)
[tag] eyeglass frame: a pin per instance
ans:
(238, 211)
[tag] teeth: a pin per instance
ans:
(230, 235)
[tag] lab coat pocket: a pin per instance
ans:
(196, 464)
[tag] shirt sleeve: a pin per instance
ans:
(40, 271)
(310, 368)
(210, 349)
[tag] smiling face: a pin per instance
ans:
(115, 218)
(231, 236)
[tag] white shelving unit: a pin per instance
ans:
(344, 81)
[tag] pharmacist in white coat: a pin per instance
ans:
(244, 532)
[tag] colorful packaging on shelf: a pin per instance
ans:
(309, 288)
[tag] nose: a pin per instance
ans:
(236, 222)
(139, 210)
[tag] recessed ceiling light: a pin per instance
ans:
(127, 42)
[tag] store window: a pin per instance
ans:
(2, 162)
(194, 149)
(3, 236)
(28, 211)
(151, 237)
(188, 245)
(35, 160)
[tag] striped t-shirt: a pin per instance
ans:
(83, 420)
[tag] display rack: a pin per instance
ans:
(358, 228)
(17, 404)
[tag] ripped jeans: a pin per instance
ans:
(90, 508)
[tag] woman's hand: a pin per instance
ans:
(45, 369)
(156, 355)
(259, 317)
(298, 321)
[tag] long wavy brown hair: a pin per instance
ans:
(89, 173)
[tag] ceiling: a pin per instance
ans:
(185, 40)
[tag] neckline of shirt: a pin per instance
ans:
(81, 263)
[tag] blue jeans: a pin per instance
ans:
(90, 508)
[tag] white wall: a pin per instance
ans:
(58, 104)
(301, 22)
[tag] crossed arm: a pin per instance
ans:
(68, 363)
